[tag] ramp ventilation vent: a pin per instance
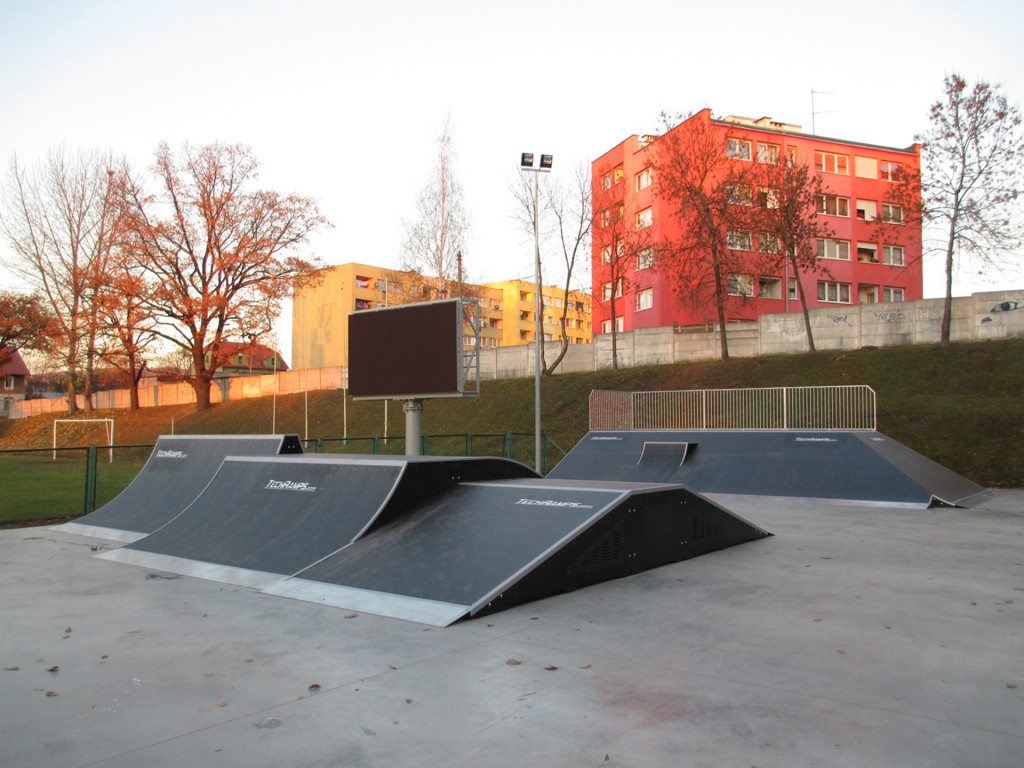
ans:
(606, 552)
(702, 528)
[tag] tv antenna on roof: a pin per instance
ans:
(815, 113)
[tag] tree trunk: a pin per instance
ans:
(803, 303)
(720, 306)
(615, 351)
(947, 304)
(201, 386)
(563, 347)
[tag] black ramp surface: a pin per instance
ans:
(486, 546)
(177, 471)
(944, 485)
(855, 466)
(263, 518)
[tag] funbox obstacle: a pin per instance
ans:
(858, 466)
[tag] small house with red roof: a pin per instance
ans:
(13, 379)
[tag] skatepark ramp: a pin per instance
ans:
(263, 518)
(427, 539)
(486, 546)
(177, 471)
(860, 466)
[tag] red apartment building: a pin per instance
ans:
(862, 262)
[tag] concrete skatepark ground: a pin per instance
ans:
(856, 636)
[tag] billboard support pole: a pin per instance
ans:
(413, 417)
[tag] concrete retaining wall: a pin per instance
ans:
(980, 317)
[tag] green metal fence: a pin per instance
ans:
(42, 484)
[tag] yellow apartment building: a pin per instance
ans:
(321, 309)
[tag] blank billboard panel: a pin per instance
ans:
(413, 350)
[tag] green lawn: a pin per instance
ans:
(37, 487)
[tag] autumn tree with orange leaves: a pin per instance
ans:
(218, 254)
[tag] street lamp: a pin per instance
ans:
(526, 164)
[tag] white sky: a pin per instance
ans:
(343, 101)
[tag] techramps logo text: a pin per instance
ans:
(171, 455)
(553, 503)
(289, 485)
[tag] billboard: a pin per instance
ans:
(411, 351)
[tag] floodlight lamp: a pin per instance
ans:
(527, 161)
(545, 161)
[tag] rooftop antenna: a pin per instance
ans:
(815, 113)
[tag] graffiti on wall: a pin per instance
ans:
(1006, 306)
(890, 317)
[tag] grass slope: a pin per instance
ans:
(961, 405)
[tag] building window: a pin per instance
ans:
(892, 255)
(892, 294)
(834, 249)
(793, 288)
(770, 243)
(738, 149)
(893, 214)
(606, 291)
(740, 194)
(768, 198)
(645, 259)
(643, 219)
(606, 218)
(768, 153)
(606, 182)
(769, 287)
(889, 171)
(867, 253)
(618, 175)
(790, 156)
(833, 205)
(738, 240)
(644, 299)
(866, 210)
(827, 162)
(606, 326)
(643, 179)
(606, 255)
(833, 293)
(9, 382)
(741, 285)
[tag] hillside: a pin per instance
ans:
(961, 405)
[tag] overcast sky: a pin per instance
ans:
(343, 101)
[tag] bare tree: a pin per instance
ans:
(564, 217)
(57, 218)
(787, 201)
(218, 253)
(434, 241)
(620, 239)
(700, 178)
(973, 172)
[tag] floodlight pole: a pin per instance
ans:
(526, 164)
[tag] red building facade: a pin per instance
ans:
(872, 253)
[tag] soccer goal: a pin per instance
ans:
(108, 428)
